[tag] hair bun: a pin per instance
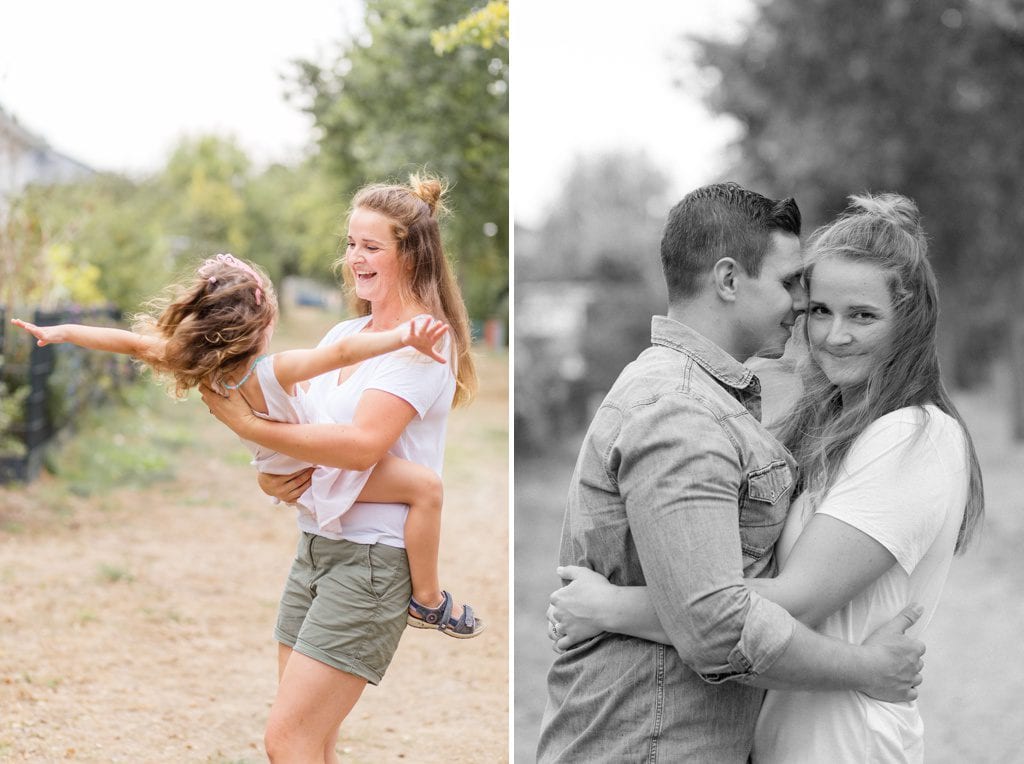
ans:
(899, 210)
(430, 190)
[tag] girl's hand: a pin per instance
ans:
(45, 335)
(229, 409)
(423, 334)
(286, 488)
(577, 609)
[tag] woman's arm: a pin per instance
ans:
(589, 604)
(294, 366)
(379, 419)
(96, 338)
(831, 563)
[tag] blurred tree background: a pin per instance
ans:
(921, 97)
(390, 103)
(422, 86)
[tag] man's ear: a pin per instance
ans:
(723, 276)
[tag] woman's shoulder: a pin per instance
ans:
(911, 425)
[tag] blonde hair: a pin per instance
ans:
(883, 230)
(211, 322)
(414, 210)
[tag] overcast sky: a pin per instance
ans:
(585, 80)
(115, 83)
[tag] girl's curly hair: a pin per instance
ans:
(211, 322)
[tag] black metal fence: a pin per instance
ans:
(50, 386)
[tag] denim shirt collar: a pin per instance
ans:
(741, 380)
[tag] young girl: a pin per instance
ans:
(214, 330)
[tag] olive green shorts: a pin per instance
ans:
(345, 604)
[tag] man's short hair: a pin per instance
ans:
(716, 221)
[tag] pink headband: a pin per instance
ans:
(233, 262)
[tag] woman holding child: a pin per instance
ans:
(368, 408)
(347, 599)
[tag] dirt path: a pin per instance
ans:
(136, 625)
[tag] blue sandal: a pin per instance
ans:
(422, 617)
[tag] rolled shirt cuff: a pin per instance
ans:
(766, 633)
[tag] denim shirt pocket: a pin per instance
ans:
(763, 507)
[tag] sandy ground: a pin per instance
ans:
(137, 625)
(973, 682)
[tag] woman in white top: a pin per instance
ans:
(890, 488)
(347, 598)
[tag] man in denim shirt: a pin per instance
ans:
(679, 487)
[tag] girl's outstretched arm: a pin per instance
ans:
(294, 366)
(96, 338)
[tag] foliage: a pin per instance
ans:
(204, 182)
(135, 443)
(87, 243)
(11, 412)
(485, 27)
(391, 105)
(611, 207)
(593, 269)
(920, 97)
(293, 221)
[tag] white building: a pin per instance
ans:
(26, 158)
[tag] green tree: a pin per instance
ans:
(91, 242)
(294, 216)
(203, 189)
(391, 105)
(922, 98)
(486, 27)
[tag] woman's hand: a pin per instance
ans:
(229, 409)
(287, 488)
(579, 609)
(423, 334)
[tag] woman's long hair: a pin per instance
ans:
(212, 322)
(413, 210)
(885, 231)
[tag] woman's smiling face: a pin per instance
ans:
(850, 318)
(372, 254)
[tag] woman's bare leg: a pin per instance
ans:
(330, 754)
(405, 482)
(283, 651)
(312, 701)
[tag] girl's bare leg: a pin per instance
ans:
(312, 701)
(398, 480)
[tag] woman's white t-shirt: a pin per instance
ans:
(428, 386)
(905, 486)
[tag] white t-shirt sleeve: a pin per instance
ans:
(895, 482)
(412, 376)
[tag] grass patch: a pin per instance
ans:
(114, 574)
(133, 444)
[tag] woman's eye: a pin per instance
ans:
(861, 316)
(819, 310)
(350, 245)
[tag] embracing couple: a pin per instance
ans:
(734, 592)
